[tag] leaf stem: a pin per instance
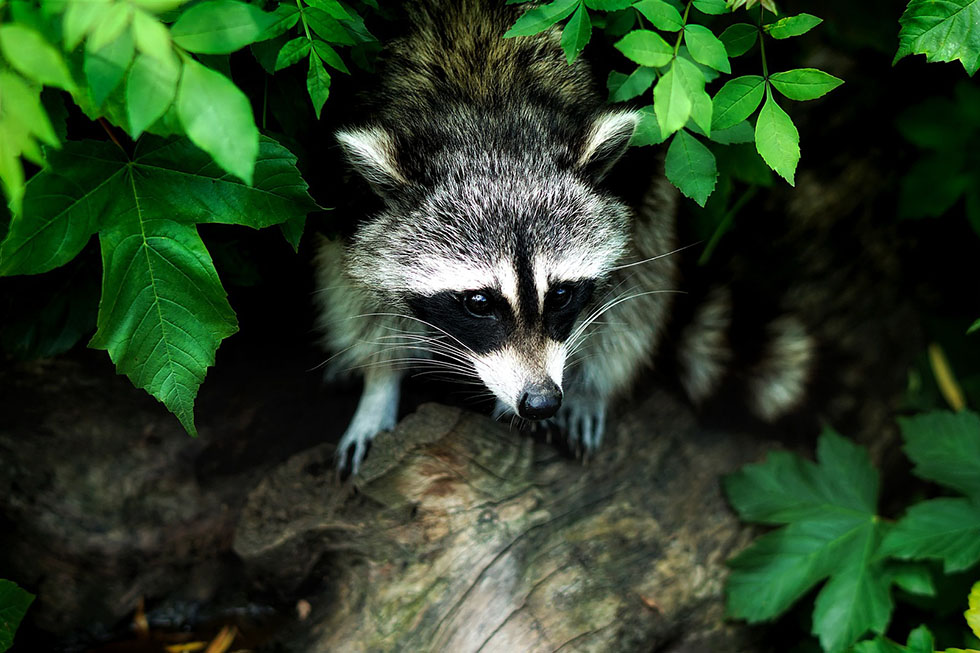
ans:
(112, 136)
(762, 45)
(302, 17)
(680, 35)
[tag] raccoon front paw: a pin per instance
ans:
(354, 444)
(583, 423)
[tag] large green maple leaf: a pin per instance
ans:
(830, 531)
(163, 311)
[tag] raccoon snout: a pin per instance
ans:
(540, 400)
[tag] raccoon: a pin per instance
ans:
(499, 251)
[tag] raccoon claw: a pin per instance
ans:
(352, 450)
(583, 427)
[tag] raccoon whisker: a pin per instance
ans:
(657, 257)
(580, 329)
(435, 342)
(420, 321)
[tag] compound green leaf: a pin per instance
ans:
(944, 529)
(648, 129)
(790, 26)
(691, 167)
(945, 448)
(671, 101)
(105, 68)
(327, 27)
(150, 90)
(777, 140)
(33, 57)
(737, 100)
(705, 47)
(693, 79)
(292, 51)
(576, 33)
(163, 311)
(13, 606)
(217, 117)
(627, 87)
(541, 18)
(285, 16)
(317, 84)
(943, 31)
(329, 56)
(804, 83)
(663, 15)
(713, 7)
(646, 48)
(220, 26)
(739, 38)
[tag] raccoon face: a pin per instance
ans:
(501, 253)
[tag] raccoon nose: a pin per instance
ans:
(540, 400)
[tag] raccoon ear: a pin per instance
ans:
(606, 140)
(372, 152)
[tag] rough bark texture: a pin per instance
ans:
(465, 535)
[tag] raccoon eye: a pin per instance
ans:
(558, 298)
(478, 304)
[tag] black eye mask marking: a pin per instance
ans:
(454, 313)
(561, 309)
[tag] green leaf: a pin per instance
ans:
(714, 7)
(163, 311)
(153, 38)
(790, 26)
(934, 183)
(671, 101)
(693, 79)
(285, 16)
(705, 48)
(541, 18)
(740, 133)
(943, 31)
(317, 84)
(105, 68)
(150, 91)
(974, 327)
(220, 26)
(944, 529)
(921, 641)
(628, 87)
(879, 645)
(739, 38)
(327, 27)
(646, 47)
(691, 167)
(648, 129)
(737, 100)
(804, 83)
(217, 117)
(777, 140)
(831, 531)
(13, 606)
(855, 600)
(576, 34)
(29, 54)
(945, 448)
(78, 20)
(662, 15)
(914, 578)
(292, 52)
(332, 7)
(109, 26)
(973, 612)
(608, 5)
(329, 56)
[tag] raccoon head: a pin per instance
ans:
(500, 247)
